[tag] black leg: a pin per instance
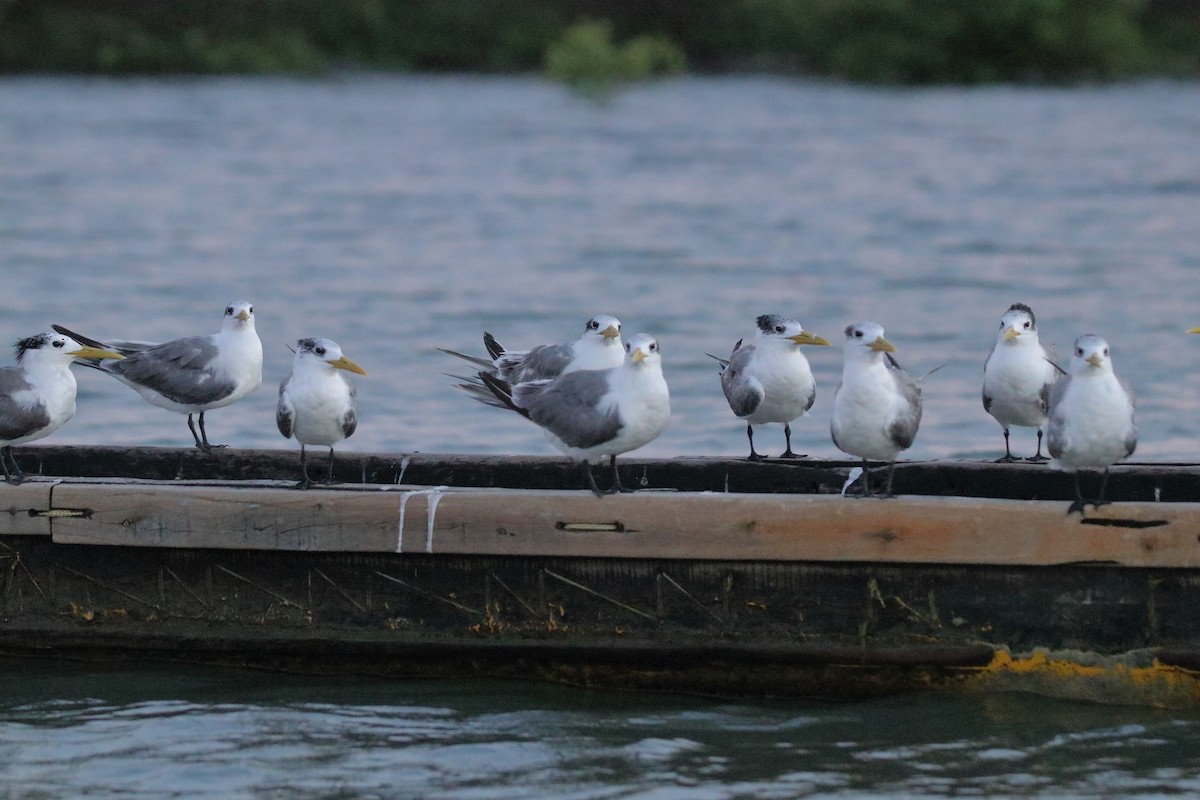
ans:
(192, 428)
(787, 435)
(1008, 457)
(1078, 505)
(306, 481)
(204, 436)
(13, 475)
(866, 479)
(587, 468)
(1038, 457)
(750, 435)
(617, 485)
(329, 471)
(1100, 501)
(887, 492)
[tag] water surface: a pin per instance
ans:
(399, 214)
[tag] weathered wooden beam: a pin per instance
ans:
(25, 508)
(666, 525)
(1146, 482)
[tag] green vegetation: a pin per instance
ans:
(586, 58)
(593, 43)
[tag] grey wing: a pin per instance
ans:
(569, 408)
(903, 428)
(350, 418)
(987, 400)
(180, 370)
(1055, 441)
(18, 420)
(743, 391)
(1131, 434)
(544, 361)
(285, 412)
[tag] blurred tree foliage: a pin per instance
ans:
(892, 41)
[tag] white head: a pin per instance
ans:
(322, 354)
(55, 350)
(1018, 326)
(865, 342)
(603, 329)
(1091, 356)
(239, 315)
(642, 350)
(778, 328)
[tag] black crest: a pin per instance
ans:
(306, 345)
(1026, 309)
(23, 346)
(767, 322)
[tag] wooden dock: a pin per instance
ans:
(720, 576)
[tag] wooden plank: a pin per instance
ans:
(1129, 481)
(669, 525)
(23, 508)
(228, 517)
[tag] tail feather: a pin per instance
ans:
(476, 360)
(494, 348)
(502, 392)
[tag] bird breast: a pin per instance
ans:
(787, 383)
(321, 403)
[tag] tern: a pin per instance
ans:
(770, 380)
(877, 407)
(193, 374)
(1018, 376)
(37, 397)
(317, 402)
(589, 414)
(1091, 417)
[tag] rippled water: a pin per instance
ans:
(163, 732)
(397, 214)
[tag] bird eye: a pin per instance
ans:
(627, 348)
(251, 309)
(320, 351)
(779, 329)
(1027, 324)
(593, 325)
(1078, 351)
(653, 346)
(59, 342)
(1106, 351)
(229, 311)
(858, 334)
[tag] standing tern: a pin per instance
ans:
(877, 407)
(1018, 376)
(193, 374)
(770, 380)
(37, 397)
(590, 414)
(1091, 417)
(317, 402)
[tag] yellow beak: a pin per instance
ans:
(348, 365)
(611, 332)
(804, 337)
(882, 345)
(638, 356)
(1011, 334)
(243, 315)
(1094, 360)
(95, 352)
(1194, 330)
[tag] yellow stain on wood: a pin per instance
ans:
(1130, 678)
